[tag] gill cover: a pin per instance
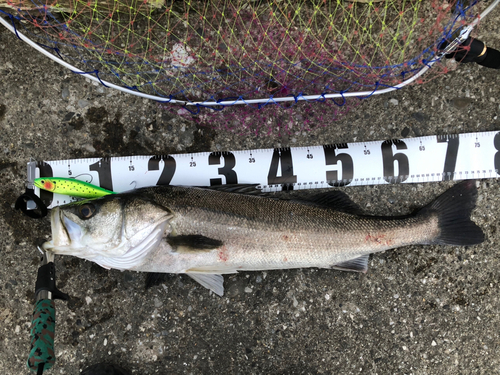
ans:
(114, 231)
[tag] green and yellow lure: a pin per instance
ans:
(71, 187)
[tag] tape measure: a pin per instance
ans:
(411, 160)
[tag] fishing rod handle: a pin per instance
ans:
(42, 336)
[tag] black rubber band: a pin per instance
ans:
(22, 204)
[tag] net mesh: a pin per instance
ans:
(214, 50)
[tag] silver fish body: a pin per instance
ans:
(208, 232)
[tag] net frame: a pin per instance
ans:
(462, 32)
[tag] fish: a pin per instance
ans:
(71, 187)
(208, 232)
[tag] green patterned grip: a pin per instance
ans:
(42, 335)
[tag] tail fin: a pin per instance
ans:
(454, 207)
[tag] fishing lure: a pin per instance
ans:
(71, 187)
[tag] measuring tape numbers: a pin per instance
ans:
(411, 160)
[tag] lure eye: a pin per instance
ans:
(86, 211)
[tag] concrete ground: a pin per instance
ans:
(418, 310)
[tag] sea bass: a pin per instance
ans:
(206, 232)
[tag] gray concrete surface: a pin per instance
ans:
(419, 310)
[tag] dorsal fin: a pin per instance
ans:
(335, 200)
(249, 189)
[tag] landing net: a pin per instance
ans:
(253, 52)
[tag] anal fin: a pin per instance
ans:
(211, 281)
(359, 264)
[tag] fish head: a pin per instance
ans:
(105, 227)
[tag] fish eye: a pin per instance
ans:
(86, 211)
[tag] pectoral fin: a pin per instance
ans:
(211, 281)
(359, 264)
(189, 243)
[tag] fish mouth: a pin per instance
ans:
(64, 233)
